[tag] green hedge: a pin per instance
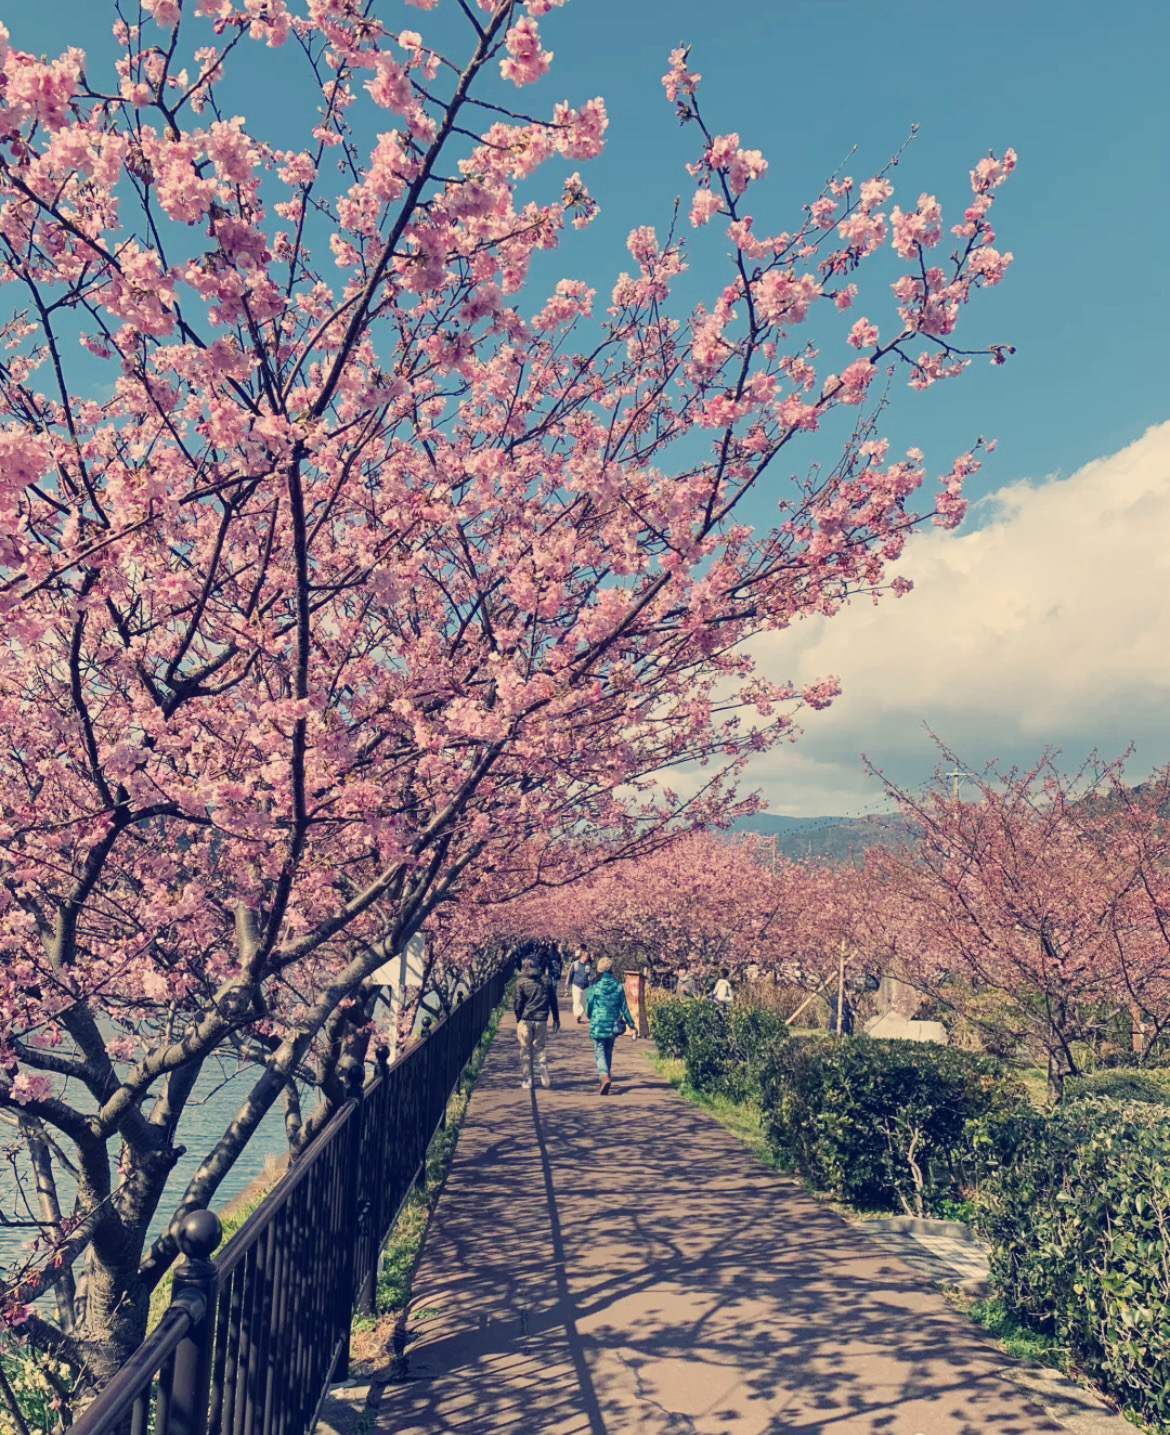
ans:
(1076, 1205)
(668, 1026)
(722, 1047)
(1121, 1084)
(711, 1062)
(881, 1123)
(755, 1034)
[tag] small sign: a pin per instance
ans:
(636, 997)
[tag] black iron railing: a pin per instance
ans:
(252, 1341)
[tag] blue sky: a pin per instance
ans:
(1077, 93)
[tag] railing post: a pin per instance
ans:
(368, 1290)
(194, 1284)
(353, 1214)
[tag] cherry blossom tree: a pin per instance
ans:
(701, 901)
(835, 929)
(1049, 890)
(337, 568)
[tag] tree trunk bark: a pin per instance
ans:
(1056, 1075)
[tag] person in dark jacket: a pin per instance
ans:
(553, 966)
(534, 1003)
(846, 1027)
(609, 1015)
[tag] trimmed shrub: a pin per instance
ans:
(1076, 1205)
(726, 1047)
(1121, 1084)
(668, 1025)
(722, 1046)
(713, 1064)
(881, 1123)
(753, 1034)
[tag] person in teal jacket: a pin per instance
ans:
(609, 1015)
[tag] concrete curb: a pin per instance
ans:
(922, 1226)
(898, 1236)
(1082, 1411)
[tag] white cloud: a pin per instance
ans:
(1048, 624)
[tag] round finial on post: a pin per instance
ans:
(353, 1074)
(198, 1235)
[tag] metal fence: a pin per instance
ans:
(252, 1341)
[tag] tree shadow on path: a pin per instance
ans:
(607, 1265)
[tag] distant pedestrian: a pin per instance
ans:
(609, 1015)
(553, 967)
(580, 975)
(723, 993)
(684, 985)
(534, 1003)
(845, 1028)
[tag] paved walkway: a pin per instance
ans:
(598, 1266)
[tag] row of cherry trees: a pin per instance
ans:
(704, 902)
(1037, 899)
(341, 576)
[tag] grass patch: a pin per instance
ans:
(1023, 1342)
(35, 1383)
(742, 1118)
(365, 1421)
(400, 1258)
(1018, 1339)
(1035, 1080)
(231, 1218)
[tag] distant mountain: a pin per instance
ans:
(827, 839)
(767, 823)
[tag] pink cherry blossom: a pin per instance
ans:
(855, 380)
(920, 229)
(165, 12)
(390, 86)
(582, 131)
(361, 576)
(26, 1088)
(678, 79)
(863, 334)
(705, 205)
(526, 62)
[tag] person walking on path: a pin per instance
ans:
(534, 1003)
(723, 993)
(580, 975)
(609, 1015)
(553, 967)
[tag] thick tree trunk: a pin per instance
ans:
(1058, 1069)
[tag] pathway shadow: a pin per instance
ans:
(606, 1265)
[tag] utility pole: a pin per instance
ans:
(957, 777)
